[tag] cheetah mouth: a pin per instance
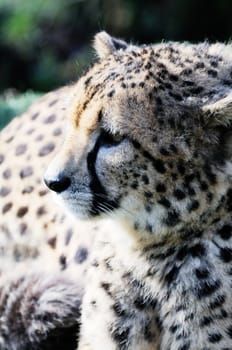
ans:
(87, 205)
(101, 204)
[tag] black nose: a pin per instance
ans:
(60, 184)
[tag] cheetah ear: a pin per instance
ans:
(219, 113)
(105, 44)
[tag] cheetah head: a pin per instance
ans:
(148, 137)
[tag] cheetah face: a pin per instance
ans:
(137, 151)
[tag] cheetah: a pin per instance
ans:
(148, 145)
(44, 253)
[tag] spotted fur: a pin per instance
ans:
(148, 144)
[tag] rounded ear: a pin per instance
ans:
(105, 44)
(218, 113)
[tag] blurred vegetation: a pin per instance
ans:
(12, 104)
(46, 43)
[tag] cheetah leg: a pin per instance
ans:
(39, 312)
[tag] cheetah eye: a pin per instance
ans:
(108, 139)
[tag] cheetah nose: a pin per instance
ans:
(59, 184)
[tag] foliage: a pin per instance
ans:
(12, 105)
(45, 43)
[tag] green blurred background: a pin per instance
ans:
(46, 43)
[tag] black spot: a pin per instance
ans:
(186, 346)
(39, 137)
(148, 332)
(159, 166)
(52, 242)
(164, 202)
(229, 332)
(181, 168)
(209, 197)
(34, 116)
(217, 302)
(6, 174)
(6, 207)
(187, 71)
(46, 149)
(106, 286)
(134, 185)
(226, 255)
(174, 328)
(210, 175)
(87, 81)
(188, 83)
(182, 253)
(172, 218)
(136, 226)
(168, 86)
(206, 321)
(145, 179)
(179, 194)
(171, 276)
(22, 211)
(68, 236)
(63, 262)
(4, 191)
(199, 65)
(1, 158)
(176, 96)
(164, 151)
(25, 172)
(111, 93)
(173, 77)
(20, 149)
(160, 188)
(173, 148)
(50, 119)
(229, 200)
(149, 228)
(141, 84)
(108, 264)
(81, 255)
(159, 101)
(41, 211)
(223, 314)
(52, 103)
(157, 163)
(118, 309)
(147, 66)
(225, 232)
(27, 189)
(204, 186)
(57, 132)
(194, 205)
(196, 90)
(22, 228)
(120, 335)
(43, 193)
(198, 250)
(215, 338)
(148, 194)
(174, 176)
(226, 82)
(207, 288)
(201, 273)
(213, 73)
